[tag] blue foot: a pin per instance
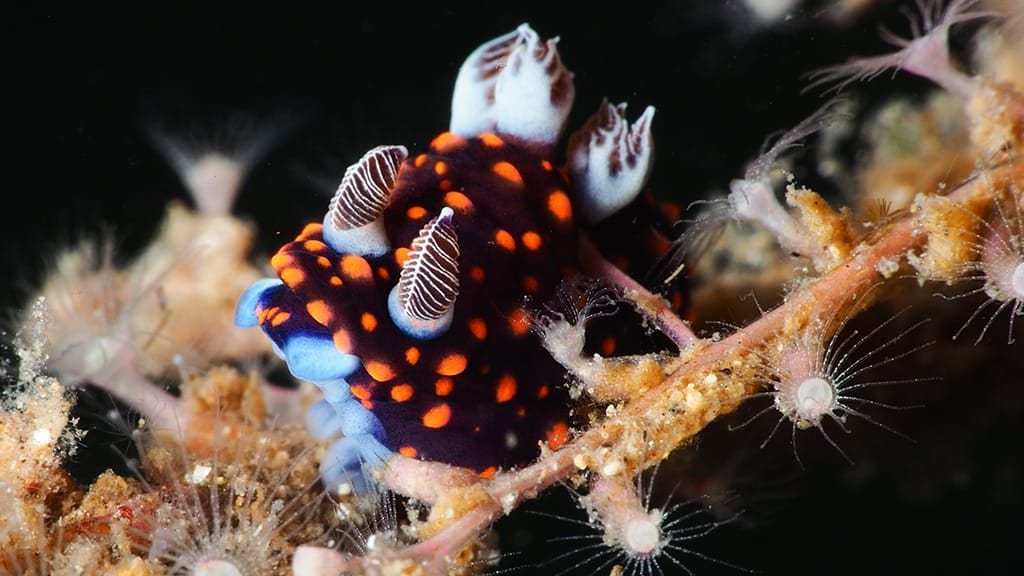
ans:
(245, 310)
(321, 420)
(351, 460)
(362, 444)
(315, 358)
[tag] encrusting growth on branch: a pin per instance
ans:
(710, 385)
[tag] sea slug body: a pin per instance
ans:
(409, 304)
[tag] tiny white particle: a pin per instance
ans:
(508, 502)
(41, 437)
(199, 474)
(612, 468)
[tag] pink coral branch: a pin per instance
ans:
(648, 303)
(161, 408)
(831, 292)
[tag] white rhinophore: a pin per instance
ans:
(609, 161)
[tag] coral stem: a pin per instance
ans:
(649, 304)
(161, 409)
(686, 401)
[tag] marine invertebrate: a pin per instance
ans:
(406, 305)
(120, 327)
(926, 53)
(994, 109)
(630, 535)
(820, 373)
(980, 240)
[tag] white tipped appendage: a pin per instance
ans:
(516, 86)
(628, 523)
(1018, 281)
(352, 224)
(423, 302)
(609, 161)
(925, 53)
(216, 568)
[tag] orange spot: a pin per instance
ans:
(383, 273)
(280, 260)
(311, 229)
(532, 241)
(320, 311)
(445, 142)
(558, 435)
(438, 416)
(519, 322)
(546, 166)
(416, 212)
(505, 240)
(445, 185)
(361, 392)
(356, 267)
(530, 284)
(368, 322)
(292, 276)
(543, 392)
(488, 473)
(261, 314)
(420, 160)
(323, 261)
(608, 346)
(379, 371)
(440, 167)
(408, 451)
(506, 389)
(560, 206)
(452, 365)
(491, 141)
(476, 273)
(335, 281)
(367, 404)
(412, 355)
(401, 255)
(478, 327)
(521, 411)
(342, 341)
(507, 171)
(458, 201)
(280, 318)
(443, 386)
(401, 393)
(314, 245)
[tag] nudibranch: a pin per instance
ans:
(408, 304)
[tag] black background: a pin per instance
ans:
(87, 80)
